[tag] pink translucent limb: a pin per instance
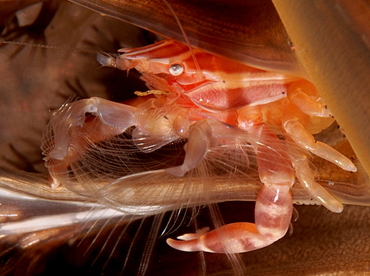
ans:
(307, 179)
(71, 117)
(76, 125)
(273, 210)
(305, 140)
(273, 213)
(200, 135)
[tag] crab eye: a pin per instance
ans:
(176, 69)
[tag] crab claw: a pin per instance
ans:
(273, 213)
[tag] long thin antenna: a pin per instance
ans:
(29, 44)
(185, 36)
(43, 46)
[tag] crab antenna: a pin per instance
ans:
(29, 44)
(185, 36)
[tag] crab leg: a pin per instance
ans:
(273, 209)
(71, 131)
(305, 139)
(306, 177)
(292, 123)
(305, 97)
(200, 135)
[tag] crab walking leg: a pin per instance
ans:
(72, 131)
(305, 139)
(305, 96)
(273, 213)
(115, 119)
(273, 209)
(307, 179)
(200, 135)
